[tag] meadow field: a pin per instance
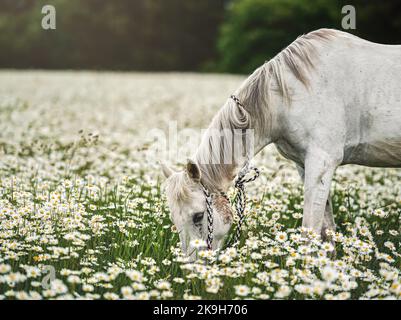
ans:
(83, 215)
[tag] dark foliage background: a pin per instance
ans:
(185, 35)
(256, 30)
(105, 34)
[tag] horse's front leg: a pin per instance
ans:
(328, 222)
(319, 170)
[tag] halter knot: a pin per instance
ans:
(240, 198)
(239, 201)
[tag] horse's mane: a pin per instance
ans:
(299, 58)
(177, 187)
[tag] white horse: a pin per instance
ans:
(328, 99)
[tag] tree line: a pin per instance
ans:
(161, 35)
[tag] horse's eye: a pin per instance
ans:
(197, 217)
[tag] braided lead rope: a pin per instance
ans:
(209, 209)
(239, 201)
(240, 198)
(237, 101)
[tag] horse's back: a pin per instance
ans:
(354, 104)
(369, 86)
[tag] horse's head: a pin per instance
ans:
(187, 203)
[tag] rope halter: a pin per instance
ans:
(209, 209)
(239, 200)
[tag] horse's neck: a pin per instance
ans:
(228, 137)
(219, 175)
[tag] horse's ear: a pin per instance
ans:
(166, 170)
(193, 170)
